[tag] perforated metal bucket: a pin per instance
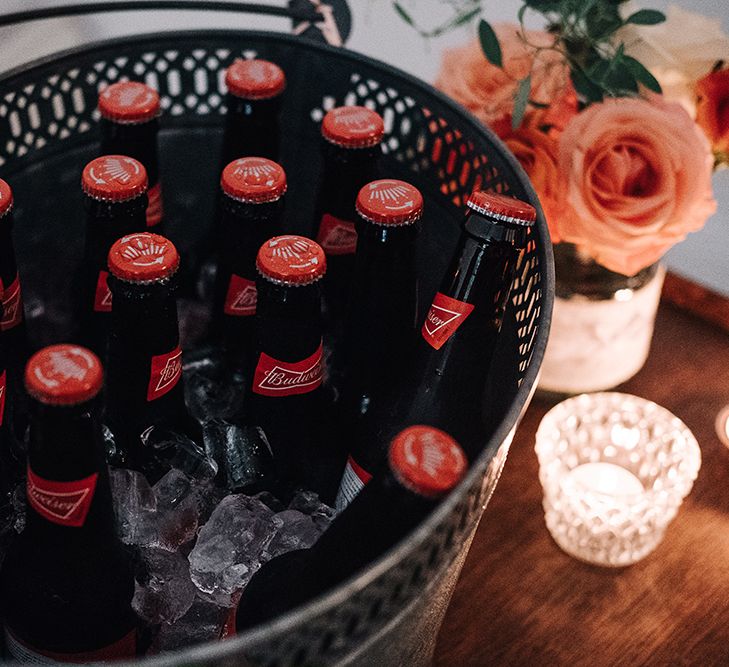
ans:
(388, 614)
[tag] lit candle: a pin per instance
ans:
(605, 478)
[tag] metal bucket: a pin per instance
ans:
(390, 613)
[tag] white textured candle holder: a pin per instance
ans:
(593, 513)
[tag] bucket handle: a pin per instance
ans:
(315, 19)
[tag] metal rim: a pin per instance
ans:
(546, 263)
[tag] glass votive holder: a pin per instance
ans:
(614, 468)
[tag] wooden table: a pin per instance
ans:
(522, 601)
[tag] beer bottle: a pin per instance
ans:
(254, 109)
(446, 377)
(351, 138)
(13, 333)
(129, 125)
(382, 316)
(286, 396)
(424, 465)
(66, 584)
(144, 386)
(9, 473)
(115, 200)
(251, 206)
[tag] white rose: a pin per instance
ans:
(678, 52)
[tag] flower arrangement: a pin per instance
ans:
(617, 114)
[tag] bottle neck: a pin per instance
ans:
(254, 112)
(137, 140)
(108, 221)
(243, 228)
(144, 366)
(68, 487)
(8, 264)
(288, 320)
(482, 269)
(345, 172)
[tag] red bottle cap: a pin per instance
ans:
(255, 79)
(502, 207)
(390, 202)
(291, 260)
(129, 102)
(63, 375)
(143, 258)
(114, 178)
(353, 127)
(254, 180)
(6, 198)
(427, 460)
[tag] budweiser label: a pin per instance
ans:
(444, 317)
(3, 391)
(154, 207)
(241, 298)
(337, 236)
(353, 481)
(164, 374)
(283, 378)
(64, 503)
(12, 306)
(126, 647)
(102, 297)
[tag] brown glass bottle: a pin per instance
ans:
(144, 374)
(129, 125)
(115, 201)
(251, 206)
(351, 138)
(67, 583)
(423, 465)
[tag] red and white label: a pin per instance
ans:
(336, 236)
(19, 650)
(165, 373)
(64, 503)
(12, 306)
(444, 317)
(354, 479)
(241, 298)
(3, 391)
(284, 378)
(102, 296)
(154, 207)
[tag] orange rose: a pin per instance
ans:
(712, 112)
(537, 153)
(638, 178)
(488, 91)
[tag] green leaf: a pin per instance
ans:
(588, 89)
(646, 17)
(521, 100)
(489, 43)
(602, 21)
(403, 14)
(642, 75)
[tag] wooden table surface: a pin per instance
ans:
(522, 601)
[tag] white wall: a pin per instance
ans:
(378, 32)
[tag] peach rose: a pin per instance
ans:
(488, 91)
(537, 153)
(638, 178)
(712, 112)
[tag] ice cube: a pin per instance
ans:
(135, 505)
(210, 392)
(204, 621)
(244, 458)
(294, 530)
(163, 590)
(178, 510)
(307, 502)
(229, 545)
